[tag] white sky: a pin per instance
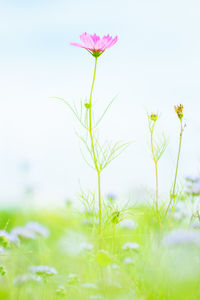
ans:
(155, 64)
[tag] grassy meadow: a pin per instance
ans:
(56, 255)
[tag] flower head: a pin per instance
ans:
(43, 271)
(180, 237)
(60, 290)
(24, 233)
(8, 239)
(128, 224)
(90, 286)
(72, 279)
(179, 110)
(129, 261)
(130, 246)
(111, 197)
(153, 117)
(38, 229)
(94, 44)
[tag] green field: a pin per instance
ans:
(65, 258)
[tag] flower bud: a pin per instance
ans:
(179, 111)
(87, 105)
(153, 117)
(115, 217)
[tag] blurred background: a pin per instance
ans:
(154, 65)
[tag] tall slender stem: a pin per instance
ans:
(90, 118)
(99, 194)
(93, 148)
(156, 171)
(173, 195)
(113, 241)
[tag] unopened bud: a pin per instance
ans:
(87, 105)
(179, 111)
(153, 117)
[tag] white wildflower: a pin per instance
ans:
(45, 271)
(37, 229)
(130, 246)
(129, 261)
(128, 224)
(182, 237)
(89, 286)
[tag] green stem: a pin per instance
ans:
(92, 145)
(173, 195)
(114, 233)
(156, 171)
(99, 195)
(90, 118)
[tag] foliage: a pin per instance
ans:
(146, 263)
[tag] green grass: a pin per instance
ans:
(154, 271)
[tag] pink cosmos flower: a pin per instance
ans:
(94, 44)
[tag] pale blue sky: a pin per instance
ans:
(155, 64)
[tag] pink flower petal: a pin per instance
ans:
(94, 43)
(77, 45)
(95, 38)
(106, 40)
(101, 44)
(112, 42)
(87, 40)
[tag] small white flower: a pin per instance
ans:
(38, 229)
(182, 237)
(89, 286)
(72, 279)
(9, 239)
(115, 267)
(130, 246)
(129, 261)
(86, 246)
(2, 250)
(195, 224)
(60, 290)
(128, 224)
(44, 271)
(23, 232)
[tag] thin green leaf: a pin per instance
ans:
(105, 111)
